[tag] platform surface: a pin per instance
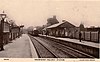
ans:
(19, 48)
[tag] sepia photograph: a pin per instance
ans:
(50, 30)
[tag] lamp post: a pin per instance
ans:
(2, 29)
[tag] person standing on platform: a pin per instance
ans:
(80, 36)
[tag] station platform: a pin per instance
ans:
(19, 48)
(87, 47)
(88, 43)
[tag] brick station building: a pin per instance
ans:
(63, 29)
(4, 29)
(15, 31)
(8, 31)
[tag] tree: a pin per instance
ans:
(39, 28)
(30, 28)
(12, 23)
(51, 21)
(81, 27)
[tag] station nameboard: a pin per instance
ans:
(6, 27)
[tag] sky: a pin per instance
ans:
(36, 12)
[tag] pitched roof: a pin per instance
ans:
(67, 25)
(55, 25)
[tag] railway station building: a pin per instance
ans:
(15, 31)
(63, 29)
(4, 29)
(8, 31)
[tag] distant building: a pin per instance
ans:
(93, 29)
(61, 29)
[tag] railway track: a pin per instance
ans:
(42, 51)
(56, 49)
(75, 53)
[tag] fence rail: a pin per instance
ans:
(88, 35)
